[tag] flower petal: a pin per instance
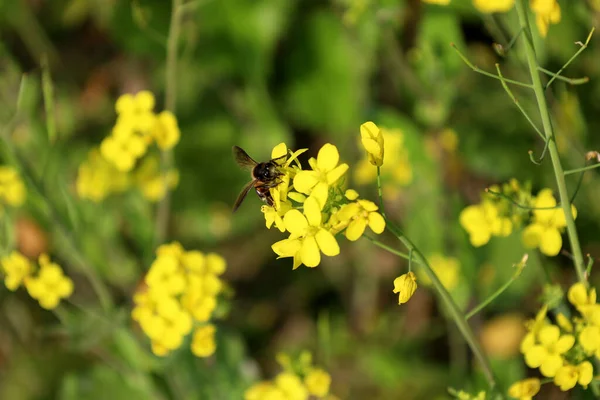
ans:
(312, 210)
(550, 242)
(327, 158)
(304, 181)
(376, 222)
(336, 173)
(286, 247)
(355, 229)
(309, 253)
(327, 243)
(279, 151)
(295, 222)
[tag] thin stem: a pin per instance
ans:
(380, 190)
(492, 297)
(514, 99)
(552, 148)
(572, 81)
(583, 46)
(388, 248)
(531, 157)
(480, 71)
(576, 170)
(455, 312)
(166, 157)
(516, 204)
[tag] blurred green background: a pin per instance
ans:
(304, 72)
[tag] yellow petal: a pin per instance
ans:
(312, 211)
(309, 253)
(548, 335)
(351, 194)
(376, 222)
(320, 193)
(355, 229)
(295, 222)
(304, 181)
(336, 173)
(279, 151)
(327, 243)
(551, 365)
(286, 247)
(586, 373)
(564, 344)
(532, 236)
(535, 356)
(550, 242)
(327, 158)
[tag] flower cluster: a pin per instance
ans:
(447, 270)
(299, 380)
(47, 284)
(12, 189)
(546, 11)
(544, 220)
(312, 207)
(124, 159)
(399, 173)
(180, 291)
(565, 350)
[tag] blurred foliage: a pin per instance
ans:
(253, 74)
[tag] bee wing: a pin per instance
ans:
(242, 158)
(243, 193)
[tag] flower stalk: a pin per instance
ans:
(538, 89)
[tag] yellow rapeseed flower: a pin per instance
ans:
(123, 147)
(548, 223)
(372, 140)
(359, 215)
(482, 221)
(50, 285)
(138, 109)
(203, 342)
(525, 389)
(570, 375)
(547, 355)
(447, 270)
(325, 171)
(405, 285)
(16, 268)
(493, 6)
(98, 178)
(291, 385)
(308, 238)
(12, 189)
(546, 12)
(264, 391)
(166, 131)
(152, 182)
(317, 382)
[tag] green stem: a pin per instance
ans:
(162, 213)
(487, 301)
(582, 48)
(453, 309)
(538, 88)
(571, 81)
(388, 248)
(576, 170)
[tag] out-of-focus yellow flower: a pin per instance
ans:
(317, 382)
(203, 343)
(325, 171)
(525, 389)
(545, 230)
(138, 110)
(12, 189)
(264, 391)
(16, 268)
(462, 395)
(493, 6)
(373, 142)
(50, 285)
(581, 297)
(546, 12)
(482, 221)
(308, 238)
(447, 270)
(405, 285)
(291, 385)
(152, 183)
(439, 2)
(97, 178)
(569, 375)
(166, 131)
(547, 355)
(123, 147)
(502, 335)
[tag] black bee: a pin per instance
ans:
(265, 176)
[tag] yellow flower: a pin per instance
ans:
(291, 386)
(275, 216)
(308, 238)
(151, 181)
(546, 12)
(358, 215)
(493, 6)
(203, 343)
(137, 110)
(325, 171)
(545, 230)
(123, 147)
(372, 140)
(447, 270)
(317, 382)
(12, 189)
(548, 354)
(580, 297)
(50, 285)
(589, 339)
(264, 391)
(482, 221)
(16, 268)
(569, 375)
(525, 389)
(165, 274)
(166, 131)
(439, 2)
(405, 285)
(97, 178)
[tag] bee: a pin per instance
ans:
(265, 175)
